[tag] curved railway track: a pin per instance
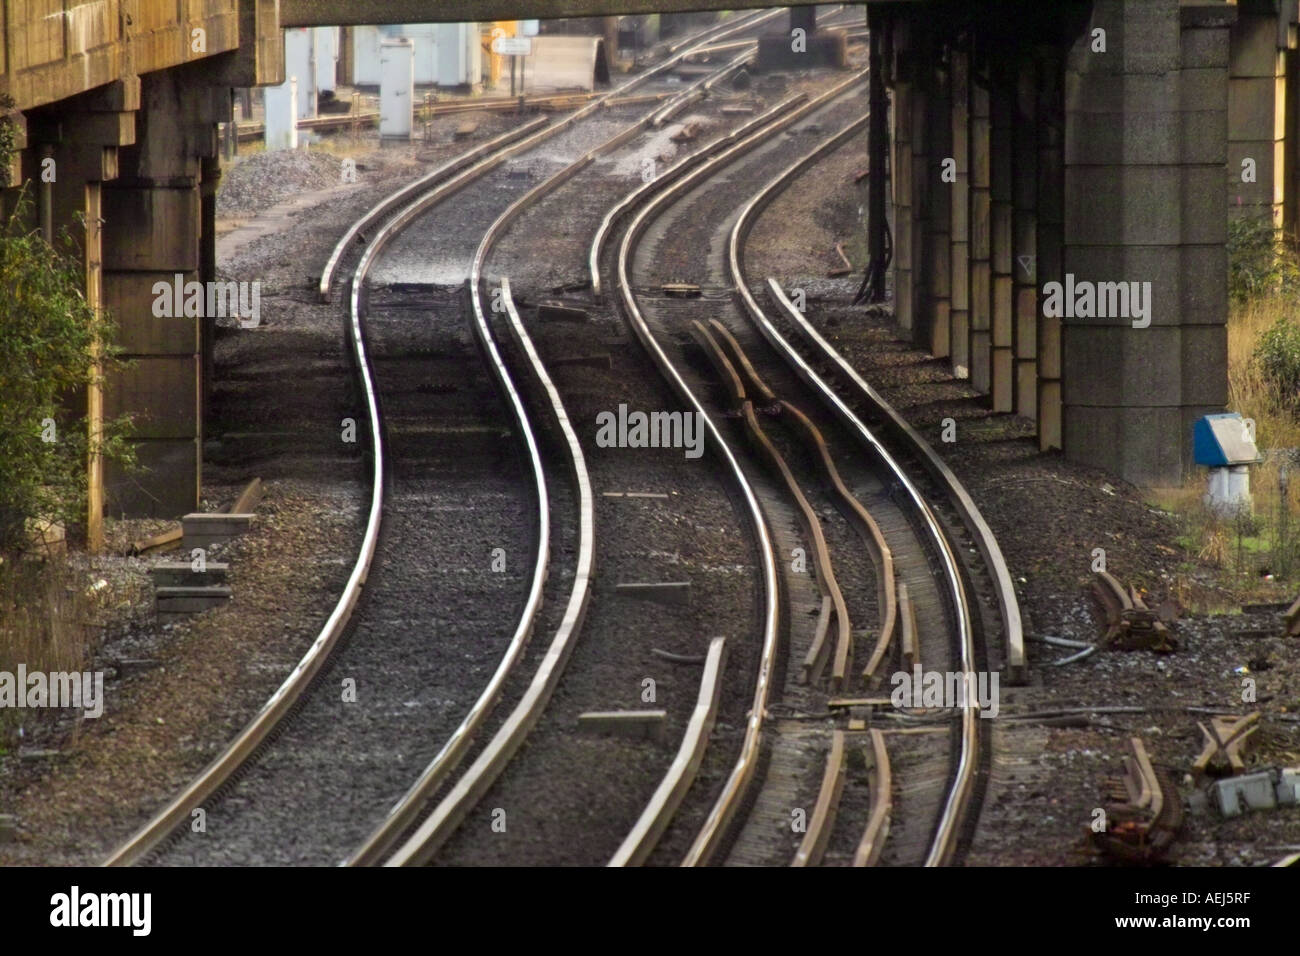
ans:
(966, 751)
(445, 181)
(810, 419)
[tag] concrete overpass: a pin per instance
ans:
(1080, 143)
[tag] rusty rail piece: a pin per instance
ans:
(977, 527)
(1224, 739)
(822, 822)
(658, 812)
(247, 741)
(728, 803)
(166, 540)
(1145, 814)
(422, 843)
(948, 827)
(873, 839)
(489, 764)
(485, 158)
(491, 104)
(878, 549)
(911, 647)
(1130, 624)
(725, 360)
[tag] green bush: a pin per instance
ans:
(1277, 354)
(53, 346)
(1261, 259)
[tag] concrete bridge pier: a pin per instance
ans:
(71, 154)
(1039, 151)
(154, 229)
(1146, 144)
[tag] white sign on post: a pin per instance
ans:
(512, 46)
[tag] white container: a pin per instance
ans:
(281, 104)
(365, 56)
(458, 54)
(327, 58)
(1229, 491)
(300, 61)
(396, 88)
(423, 39)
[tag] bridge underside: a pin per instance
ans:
(1026, 143)
(307, 13)
(1090, 145)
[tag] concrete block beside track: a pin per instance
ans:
(202, 530)
(625, 723)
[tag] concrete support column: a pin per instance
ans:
(1257, 91)
(1290, 168)
(902, 180)
(1146, 144)
(1050, 238)
(1024, 176)
(939, 220)
(804, 18)
(922, 190)
(1002, 257)
(959, 229)
(152, 235)
(981, 212)
(79, 151)
(210, 172)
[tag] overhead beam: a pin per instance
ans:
(310, 13)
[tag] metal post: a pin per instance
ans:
(873, 287)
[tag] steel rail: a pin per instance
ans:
(726, 359)
(946, 832)
(728, 803)
(813, 846)
(641, 840)
(246, 742)
(489, 764)
(494, 153)
(395, 199)
(725, 808)
(970, 514)
(716, 32)
(433, 832)
(454, 749)
(874, 835)
(947, 829)
(976, 526)
(620, 209)
(701, 89)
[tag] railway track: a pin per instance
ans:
(743, 727)
(263, 733)
(424, 842)
(922, 525)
